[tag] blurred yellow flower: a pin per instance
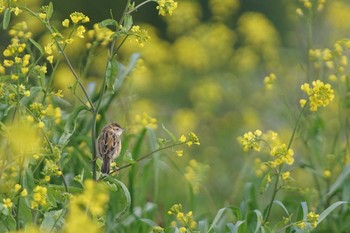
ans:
(23, 138)
(7, 203)
(166, 7)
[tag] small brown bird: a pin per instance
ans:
(109, 145)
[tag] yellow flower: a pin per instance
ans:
(179, 153)
(7, 203)
(41, 124)
(195, 174)
(17, 187)
(166, 7)
(65, 23)
(313, 218)
(183, 229)
(77, 17)
(194, 138)
(59, 94)
(39, 197)
(24, 193)
(327, 173)
(47, 178)
(16, 10)
(285, 175)
(183, 138)
(50, 58)
(80, 31)
(42, 16)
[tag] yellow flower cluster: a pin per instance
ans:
(100, 35)
(14, 56)
(78, 17)
(308, 5)
(195, 174)
(9, 4)
(166, 7)
(157, 229)
(39, 197)
(20, 30)
(311, 219)
(251, 140)
(39, 112)
(335, 60)
(94, 198)
(269, 81)
(141, 35)
(92, 201)
(319, 95)
(51, 169)
(279, 152)
(193, 139)
(23, 138)
(183, 220)
(281, 155)
(145, 120)
(23, 193)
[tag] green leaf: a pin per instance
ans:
(111, 74)
(49, 11)
(120, 199)
(265, 183)
(305, 210)
(149, 222)
(53, 221)
(125, 71)
(108, 22)
(327, 211)
(69, 128)
(237, 225)
(203, 226)
(8, 223)
(7, 18)
(173, 138)
(128, 22)
(218, 216)
(281, 205)
(259, 222)
(28, 180)
(128, 158)
(340, 180)
(37, 45)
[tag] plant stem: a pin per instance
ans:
(149, 154)
(93, 130)
(138, 6)
(278, 173)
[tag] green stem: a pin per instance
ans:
(309, 44)
(93, 130)
(276, 189)
(148, 155)
(19, 199)
(138, 6)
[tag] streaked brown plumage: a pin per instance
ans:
(109, 145)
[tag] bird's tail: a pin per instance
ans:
(105, 166)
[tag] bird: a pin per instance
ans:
(109, 145)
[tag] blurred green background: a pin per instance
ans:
(203, 70)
